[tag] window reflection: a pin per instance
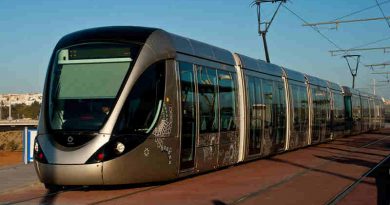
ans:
(227, 96)
(256, 110)
(208, 100)
(144, 102)
(188, 115)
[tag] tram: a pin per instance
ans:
(125, 105)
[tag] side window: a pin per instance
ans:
(143, 105)
(296, 106)
(326, 104)
(268, 101)
(319, 102)
(188, 104)
(208, 100)
(227, 96)
(348, 106)
(304, 106)
(366, 111)
(356, 107)
(279, 112)
(279, 103)
(255, 113)
(339, 105)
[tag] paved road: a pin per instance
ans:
(314, 175)
(16, 177)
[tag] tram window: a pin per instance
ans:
(338, 106)
(295, 90)
(348, 106)
(85, 82)
(318, 112)
(366, 111)
(255, 112)
(280, 112)
(188, 120)
(319, 102)
(304, 106)
(144, 102)
(325, 104)
(227, 96)
(356, 108)
(208, 100)
(300, 108)
(268, 101)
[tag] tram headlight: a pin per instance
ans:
(38, 153)
(116, 148)
(119, 148)
(36, 147)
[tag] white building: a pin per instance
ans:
(27, 99)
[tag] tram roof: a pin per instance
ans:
(334, 86)
(350, 91)
(295, 75)
(174, 43)
(365, 94)
(316, 81)
(249, 63)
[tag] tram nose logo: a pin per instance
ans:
(70, 139)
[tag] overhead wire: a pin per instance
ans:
(319, 32)
(383, 13)
(366, 44)
(365, 9)
(331, 41)
(359, 11)
(314, 28)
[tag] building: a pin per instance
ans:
(14, 99)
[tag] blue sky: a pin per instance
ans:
(29, 31)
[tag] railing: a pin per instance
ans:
(18, 122)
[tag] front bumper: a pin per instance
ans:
(83, 174)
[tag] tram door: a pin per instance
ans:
(256, 110)
(280, 116)
(188, 116)
(275, 116)
(320, 114)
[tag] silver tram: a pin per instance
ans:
(132, 105)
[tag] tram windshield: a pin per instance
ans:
(84, 84)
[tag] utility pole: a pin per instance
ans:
(353, 71)
(263, 26)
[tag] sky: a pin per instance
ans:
(29, 30)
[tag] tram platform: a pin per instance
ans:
(351, 170)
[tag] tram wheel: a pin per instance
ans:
(53, 187)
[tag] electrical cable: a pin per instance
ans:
(370, 43)
(328, 39)
(383, 13)
(359, 11)
(314, 28)
(319, 32)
